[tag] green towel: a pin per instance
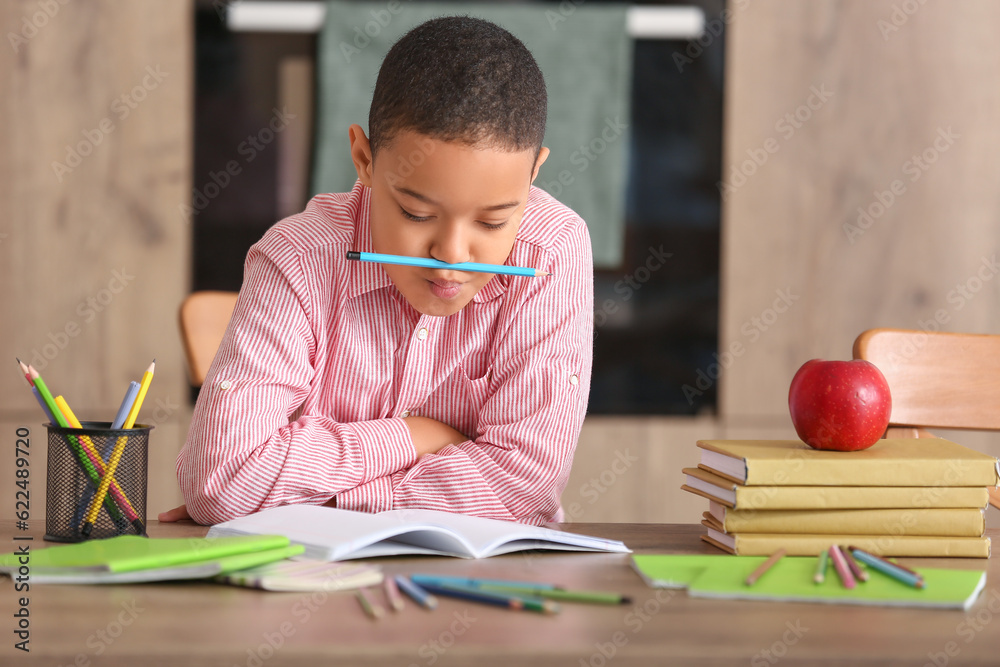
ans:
(585, 54)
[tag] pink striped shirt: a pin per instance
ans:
(324, 357)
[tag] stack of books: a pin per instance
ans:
(901, 497)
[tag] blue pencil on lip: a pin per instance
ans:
(475, 267)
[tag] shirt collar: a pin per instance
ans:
(370, 276)
(364, 276)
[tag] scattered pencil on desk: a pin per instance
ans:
(444, 580)
(594, 597)
(495, 598)
(528, 588)
(907, 577)
(764, 567)
(902, 567)
(371, 608)
(822, 563)
(392, 594)
(840, 565)
(856, 570)
(428, 263)
(416, 593)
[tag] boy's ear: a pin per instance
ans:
(361, 154)
(543, 153)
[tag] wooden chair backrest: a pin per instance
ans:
(204, 317)
(937, 380)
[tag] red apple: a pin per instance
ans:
(841, 405)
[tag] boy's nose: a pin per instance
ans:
(450, 246)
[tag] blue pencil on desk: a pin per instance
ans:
(443, 580)
(419, 595)
(891, 569)
(495, 598)
(424, 262)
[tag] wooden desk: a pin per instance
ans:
(204, 624)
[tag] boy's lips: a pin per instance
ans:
(445, 289)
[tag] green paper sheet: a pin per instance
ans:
(202, 569)
(791, 580)
(129, 553)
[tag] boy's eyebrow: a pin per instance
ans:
(428, 200)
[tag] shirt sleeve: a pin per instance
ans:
(247, 449)
(519, 463)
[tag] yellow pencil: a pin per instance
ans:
(95, 459)
(116, 455)
(368, 604)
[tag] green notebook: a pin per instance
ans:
(791, 579)
(145, 559)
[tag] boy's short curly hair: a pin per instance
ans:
(459, 78)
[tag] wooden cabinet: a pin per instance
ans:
(94, 252)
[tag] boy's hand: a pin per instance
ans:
(429, 435)
(176, 514)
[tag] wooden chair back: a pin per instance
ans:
(204, 317)
(937, 380)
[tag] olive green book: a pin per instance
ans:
(742, 497)
(798, 544)
(939, 522)
(910, 462)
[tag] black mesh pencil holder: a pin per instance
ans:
(77, 460)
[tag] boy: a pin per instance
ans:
(371, 386)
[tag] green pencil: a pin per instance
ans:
(88, 467)
(596, 597)
(821, 564)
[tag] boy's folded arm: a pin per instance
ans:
(243, 453)
(519, 463)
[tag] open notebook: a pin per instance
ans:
(791, 580)
(337, 534)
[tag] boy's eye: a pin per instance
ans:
(415, 218)
(418, 218)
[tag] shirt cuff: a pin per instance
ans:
(373, 496)
(386, 446)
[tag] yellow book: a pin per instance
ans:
(891, 462)
(765, 544)
(951, 522)
(739, 496)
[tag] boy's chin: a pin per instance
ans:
(438, 307)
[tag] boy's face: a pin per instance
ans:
(447, 201)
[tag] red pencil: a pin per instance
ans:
(840, 565)
(856, 570)
(27, 373)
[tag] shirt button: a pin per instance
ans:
(225, 384)
(422, 334)
(574, 380)
(405, 413)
